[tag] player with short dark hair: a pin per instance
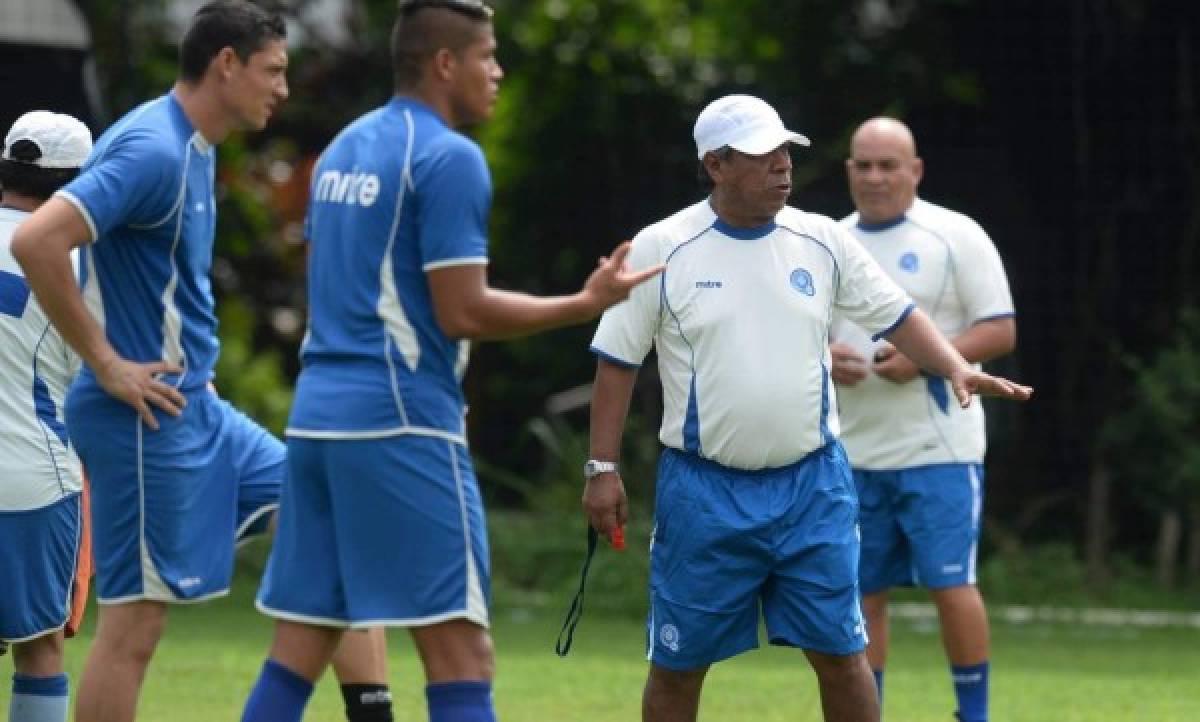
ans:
(178, 474)
(917, 458)
(754, 504)
(381, 520)
(42, 506)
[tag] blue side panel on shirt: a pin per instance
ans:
(691, 422)
(826, 434)
(14, 294)
(937, 389)
(46, 410)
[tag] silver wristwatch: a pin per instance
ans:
(594, 468)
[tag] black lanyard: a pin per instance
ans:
(575, 613)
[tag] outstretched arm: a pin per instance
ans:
(980, 343)
(467, 307)
(918, 339)
(42, 245)
(604, 499)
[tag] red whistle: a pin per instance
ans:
(618, 538)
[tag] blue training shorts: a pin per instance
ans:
(919, 526)
(39, 552)
(727, 541)
(169, 505)
(378, 532)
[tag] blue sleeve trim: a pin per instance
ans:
(997, 317)
(895, 325)
(613, 359)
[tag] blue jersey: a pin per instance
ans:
(146, 194)
(397, 194)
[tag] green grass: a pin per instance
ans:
(211, 654)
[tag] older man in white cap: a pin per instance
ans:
(41, 501)
(755, 504)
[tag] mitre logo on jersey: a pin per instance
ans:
(353, 189)
(802, 281)
(909, 262)
(708, 284)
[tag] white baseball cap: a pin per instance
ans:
(60, 140)
(744, 123)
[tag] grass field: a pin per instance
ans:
(211, 654)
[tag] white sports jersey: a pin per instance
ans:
(37, 464)
(951, 268)
(741, 318)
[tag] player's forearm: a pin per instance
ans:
(987, 340)
(919, 340)
(509, 314)
(48, 271)
(611, 394)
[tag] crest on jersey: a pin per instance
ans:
(909, 262)
(802, 281)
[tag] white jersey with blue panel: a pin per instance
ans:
(375, 362)
(740, 319)
(951, 268)
(38, 465)
(146, 194)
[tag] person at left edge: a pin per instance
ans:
(177, 473)
(42, 509)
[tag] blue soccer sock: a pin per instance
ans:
(879, 684)
(280, 695)
(971, 688)
(460, 702)
(38, 699)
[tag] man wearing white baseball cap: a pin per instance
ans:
(43, 559)
(755, 505)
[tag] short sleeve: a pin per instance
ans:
(865, 294)
(979, 276)
(626, 331)
(134, 181)
(454, 195)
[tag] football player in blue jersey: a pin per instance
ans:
(381, 521)
(177, 474)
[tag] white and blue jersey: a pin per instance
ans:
(375, 361)
(741, 320)
(40, 476)
(146, 194)
(38, 465)
(953, 272)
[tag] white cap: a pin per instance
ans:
(744, 123)
(60, 140)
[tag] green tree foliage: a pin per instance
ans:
(1153, 443)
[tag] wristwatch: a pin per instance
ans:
(595, 468)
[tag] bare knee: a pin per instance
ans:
(672, 695)
(838, 668)
(129, 633)
(455, 650)
(41, 657)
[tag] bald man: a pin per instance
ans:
(917, 458)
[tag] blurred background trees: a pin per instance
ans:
(1068, 129)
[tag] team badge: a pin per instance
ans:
(909, 262)
(802, 281)
(668, 634)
